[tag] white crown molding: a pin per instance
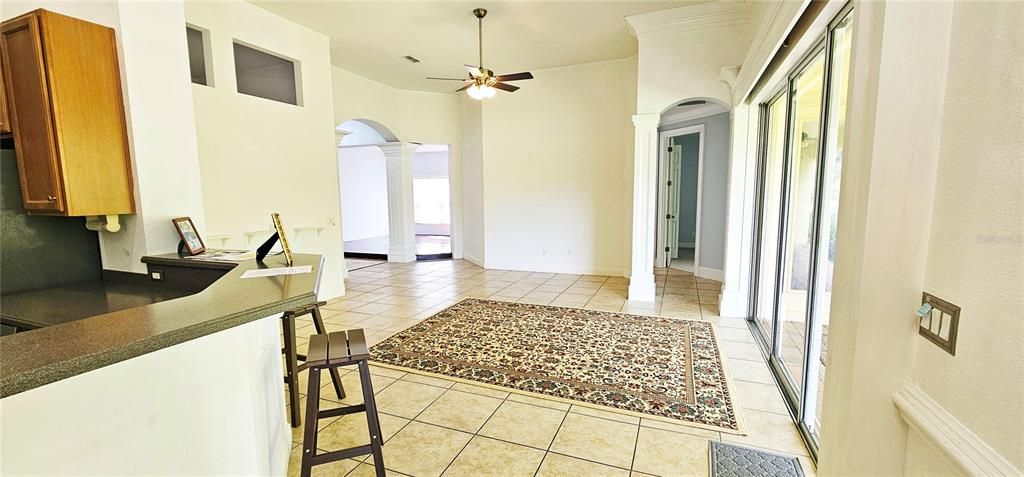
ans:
(691, 18)
(779, 19)
(647, 120)
(694, 113)
(944, 431)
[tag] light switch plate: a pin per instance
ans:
(156, 275)
(941, 324)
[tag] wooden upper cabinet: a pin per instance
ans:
(67, 115)
(5, 121)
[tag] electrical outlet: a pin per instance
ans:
(156, 275)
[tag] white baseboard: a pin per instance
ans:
(401, 256)
(943, 430)
(574, 270)
(472, 259)
(710, 273)
(732, 305)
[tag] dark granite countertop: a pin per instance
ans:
(63, 304)
(35, 358)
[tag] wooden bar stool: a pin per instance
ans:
(292, 357)
(329, 351)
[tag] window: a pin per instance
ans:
(266, 75)
(199, 55)
(431, 200)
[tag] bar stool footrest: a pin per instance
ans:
(349, 453)
(341, 411)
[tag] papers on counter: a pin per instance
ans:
(223, 255)
(273, 272)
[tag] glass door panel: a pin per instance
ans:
(771, 214)
(767, 269)
(805, 126)
(839, 66)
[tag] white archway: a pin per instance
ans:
(366, 135)
(646, 147)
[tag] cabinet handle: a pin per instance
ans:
(51, 197)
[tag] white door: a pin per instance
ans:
(675, 157)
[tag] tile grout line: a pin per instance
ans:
(636, 445)
(548, 451)
(477, 432)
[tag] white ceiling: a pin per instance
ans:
(370, 38)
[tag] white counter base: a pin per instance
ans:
(210, 406)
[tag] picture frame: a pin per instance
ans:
(189, 235)
(285, 246)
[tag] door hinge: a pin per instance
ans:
(669, 182)
(668, 249)
(670, 149)
(668, 216)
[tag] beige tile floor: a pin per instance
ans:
(436, 427)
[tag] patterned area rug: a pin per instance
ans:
(665, 368)
(729, 460)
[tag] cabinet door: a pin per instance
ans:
(31, 115)
(5, 121)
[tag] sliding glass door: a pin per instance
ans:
(801, 151)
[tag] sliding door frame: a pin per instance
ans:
(796, 394)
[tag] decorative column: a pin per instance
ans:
(401, 224)
(645, 176)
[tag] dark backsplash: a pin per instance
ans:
(40, 251)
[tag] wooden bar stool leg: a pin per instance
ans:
(291, 368)
(372, 423)
(312, 421)
(318, 322)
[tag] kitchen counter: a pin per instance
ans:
(53, 353)
(58, 305)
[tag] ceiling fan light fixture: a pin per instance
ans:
(481, 92)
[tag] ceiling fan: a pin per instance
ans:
(482, 82)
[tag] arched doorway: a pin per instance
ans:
(363, 182)
(693, 154)
(395, 196)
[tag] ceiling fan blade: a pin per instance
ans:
(448, 79)
(506, 87)
(464, 87)
(515, 76)
(474, 71)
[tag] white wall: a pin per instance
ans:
(364, 192)
(429, 164)
(472, 169)
(160, 119)
(976, 244)
(259, 156)
(714, 189)
(556, 170)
